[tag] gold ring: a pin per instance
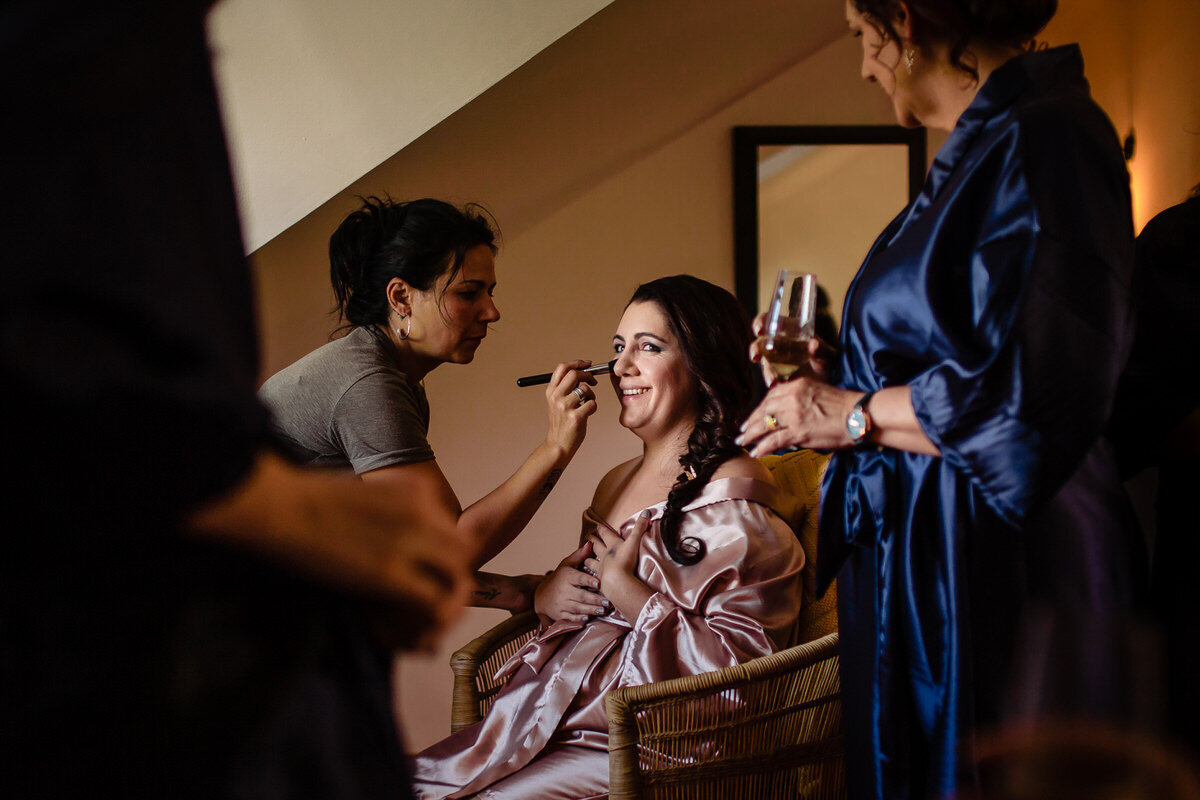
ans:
(772, 422)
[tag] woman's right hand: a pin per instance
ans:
(405, 554)
(571, 400)
(569, 592)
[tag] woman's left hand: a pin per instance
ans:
(614, 555)
(804, 412)
(615, 564)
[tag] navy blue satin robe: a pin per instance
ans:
(1001, 296)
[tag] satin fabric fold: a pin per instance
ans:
(739, 602)
(1002, 298)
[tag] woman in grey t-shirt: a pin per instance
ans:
(414, 282)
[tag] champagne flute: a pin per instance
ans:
(790, 322)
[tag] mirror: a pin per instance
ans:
(814, 198)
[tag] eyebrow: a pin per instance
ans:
(641, 335)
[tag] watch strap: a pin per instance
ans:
(861, 408)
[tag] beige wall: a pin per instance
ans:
(607, 162)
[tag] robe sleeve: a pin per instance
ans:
(739, 602)
(1039, 320)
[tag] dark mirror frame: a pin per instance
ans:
(746, 141)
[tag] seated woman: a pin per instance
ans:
(700, 568)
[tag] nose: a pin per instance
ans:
(623, 364)
(491, 312)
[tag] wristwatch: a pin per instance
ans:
(858, 421)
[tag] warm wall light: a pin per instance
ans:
(1141, 185)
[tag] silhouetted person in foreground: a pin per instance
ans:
(1157, 423)
(183, 614)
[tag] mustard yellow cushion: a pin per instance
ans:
(799, 474)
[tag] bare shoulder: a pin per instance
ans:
(744, 466)
(613, 482)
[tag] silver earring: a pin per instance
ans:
(407, 330)
(910, 58)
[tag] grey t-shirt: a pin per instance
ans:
(348, 404)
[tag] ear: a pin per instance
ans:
(399, 296)
(903, 21)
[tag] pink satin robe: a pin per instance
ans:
(546, 736)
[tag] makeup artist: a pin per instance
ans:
(981, 344)
(414, 282)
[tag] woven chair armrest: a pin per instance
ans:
(472, 693)
(466, 660)
(624, 702)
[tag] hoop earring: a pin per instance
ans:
(407, 331)
(910, 58)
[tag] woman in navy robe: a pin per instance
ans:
(981, 344)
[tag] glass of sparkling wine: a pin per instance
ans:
(790, 321)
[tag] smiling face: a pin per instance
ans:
(656, 391)
(881, 57)
(451, 319)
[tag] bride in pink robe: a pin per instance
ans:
(699, 569)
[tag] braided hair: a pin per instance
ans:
(714, 336)
(417, 241)
(1008, 23)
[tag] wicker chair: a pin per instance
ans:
(768, 728)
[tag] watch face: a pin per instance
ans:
(856, 424)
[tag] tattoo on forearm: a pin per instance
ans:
(551, 479)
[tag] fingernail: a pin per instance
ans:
(646, 514)
(599, 610)
(739, 441)
(605, 602)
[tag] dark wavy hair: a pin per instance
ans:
(1005, 23)
(714, 335)
(418, 241)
